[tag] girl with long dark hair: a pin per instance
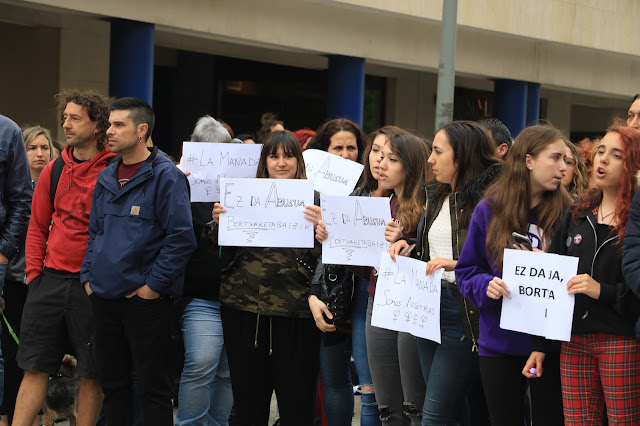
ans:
(464, 164)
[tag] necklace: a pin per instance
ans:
(603, 216)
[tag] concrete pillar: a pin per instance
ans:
(346, 88)
(511, 104)
(533, 103)
(131, 59)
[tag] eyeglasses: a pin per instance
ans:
(570, 162)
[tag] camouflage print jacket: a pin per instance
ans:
(267, 281)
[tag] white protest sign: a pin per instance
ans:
(540, 304)
(356, 229)
(208, 162)
(406, 298)
(265, 213)
(330, 173)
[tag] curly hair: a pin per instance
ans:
(580, 182)
(96, 106)
(628, 184)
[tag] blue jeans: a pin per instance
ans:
(450, 367)
(336, 376)
(335, 371)
(205, 387)
(369, 414)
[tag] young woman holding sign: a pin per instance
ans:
(270, 338)
(601, 363)
(393, 357)
(526, 199)
(464, 163)
(334, 355)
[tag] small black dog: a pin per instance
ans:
(61, 401)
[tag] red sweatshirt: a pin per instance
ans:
(58, 239)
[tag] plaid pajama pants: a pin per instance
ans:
(599, 368)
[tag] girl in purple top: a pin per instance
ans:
(524, 199)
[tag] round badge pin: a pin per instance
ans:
(577, 239)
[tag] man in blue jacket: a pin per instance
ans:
(140, 239)
(15, 196)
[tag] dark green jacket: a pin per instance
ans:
(467, 198)
(267, 281)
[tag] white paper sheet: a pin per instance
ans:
(406, 299)
(540, 304)
(330, 173)
(208, 162)
(356, 229)
(265, 213)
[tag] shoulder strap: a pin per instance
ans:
(56, 172)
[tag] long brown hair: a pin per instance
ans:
(474, 151)
(368, 182)
(510, 197)
(412, 153)
(287, 141)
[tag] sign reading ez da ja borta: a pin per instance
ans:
(540, 303)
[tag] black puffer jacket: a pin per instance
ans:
(616, 310)
(459, 202)
(631, 252)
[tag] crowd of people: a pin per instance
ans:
(104, 256)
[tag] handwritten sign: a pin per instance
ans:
(265, 213)
(208, 162)
(539, 304)
(330, 173)
(406, 298)
(356, 229)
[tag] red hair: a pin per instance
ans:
(628, 183)
(303, 135)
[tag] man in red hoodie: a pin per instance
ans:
(58, 311)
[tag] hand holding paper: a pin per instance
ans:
(540, 303)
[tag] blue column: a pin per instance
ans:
(510, 104)
(131, 59)
(346, 88)
(533, 103)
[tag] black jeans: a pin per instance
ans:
(505, 390)
(291, 369)
(134, 333)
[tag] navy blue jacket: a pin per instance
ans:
(140, 234)
(631, 252)
(15, 188)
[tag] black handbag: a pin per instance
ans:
(336, 290)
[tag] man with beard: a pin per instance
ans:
(58, 311)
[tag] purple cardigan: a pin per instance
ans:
(473, 273)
